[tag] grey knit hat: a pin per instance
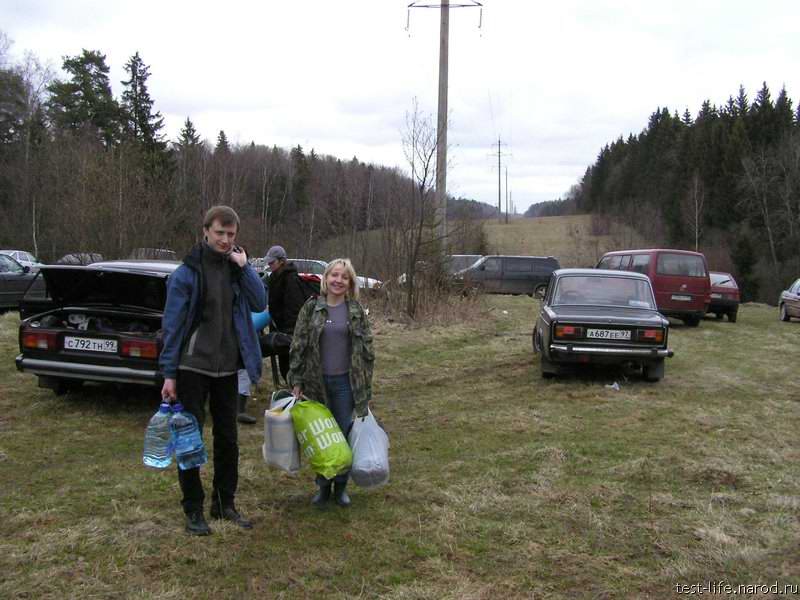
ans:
(275, 253)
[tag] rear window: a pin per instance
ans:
(722, 280)
(685, 265)
(604, 291)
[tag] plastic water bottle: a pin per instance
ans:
(189, 449)
(158, 439)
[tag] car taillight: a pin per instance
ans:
(568, 332)
(139, 348)
(39, 340)
(651, 335)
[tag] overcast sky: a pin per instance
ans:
(554, 80)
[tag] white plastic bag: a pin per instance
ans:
(370, 446)
(280, 447)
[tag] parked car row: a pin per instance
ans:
(617, 312)
(102, 322)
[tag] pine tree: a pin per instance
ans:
(140, 122)
(222, 144)
(85, 100)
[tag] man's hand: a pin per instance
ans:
(169, 391)
(297, 392)
(238, 256)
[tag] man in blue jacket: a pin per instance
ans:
(208, 337)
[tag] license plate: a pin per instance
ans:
(716, 296)
(609, 334)
(89, 344)
(681, 298)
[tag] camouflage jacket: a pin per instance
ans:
(305, 369)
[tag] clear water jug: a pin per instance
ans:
(190, 452)
(158, 439)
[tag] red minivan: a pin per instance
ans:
(679, 277)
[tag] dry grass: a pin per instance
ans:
(503, 485)
(571, 239)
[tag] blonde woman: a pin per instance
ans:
(332, 359)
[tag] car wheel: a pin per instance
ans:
(63, 386)
(784, 314)
(539, 291)
(732, 315)
(654, 371)
(718, 316)
(549, 370)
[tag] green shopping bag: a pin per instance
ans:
(321, 441)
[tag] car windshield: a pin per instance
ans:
(459, 262)
(593, 290)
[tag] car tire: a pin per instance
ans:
(653, 371)
(718, 315)
(539, 291)
(732, 315)
(63, 386)
(784, 315)
(549, 370)
(692, 321)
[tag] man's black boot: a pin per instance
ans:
(340, 494)
(243, 417)
(322, 496)
(229, 513)
(196, 523)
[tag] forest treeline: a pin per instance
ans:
(726, 181)
(84, 170)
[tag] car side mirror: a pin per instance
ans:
(26, 269)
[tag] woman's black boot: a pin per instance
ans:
(322, 496)
(340, 494)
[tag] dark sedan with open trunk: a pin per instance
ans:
(595, 316)
(100, 322)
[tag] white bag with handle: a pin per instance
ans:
(370, 446)
(280, 447)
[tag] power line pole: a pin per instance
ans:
(506, 195)
(499, 184)
(440, 198)
(441, 124)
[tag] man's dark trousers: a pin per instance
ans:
(222, 392)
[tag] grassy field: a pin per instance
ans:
(502, 486)
(569, 238)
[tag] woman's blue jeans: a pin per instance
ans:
(340, 403)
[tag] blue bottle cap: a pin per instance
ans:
(177, 407)
(164, 407)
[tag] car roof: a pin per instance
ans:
(652, 250)
(516, 256)
(601, 273)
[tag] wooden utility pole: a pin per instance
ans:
(441, 125)
(440, 198)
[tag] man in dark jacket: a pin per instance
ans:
(208, 337)
(286, 296)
